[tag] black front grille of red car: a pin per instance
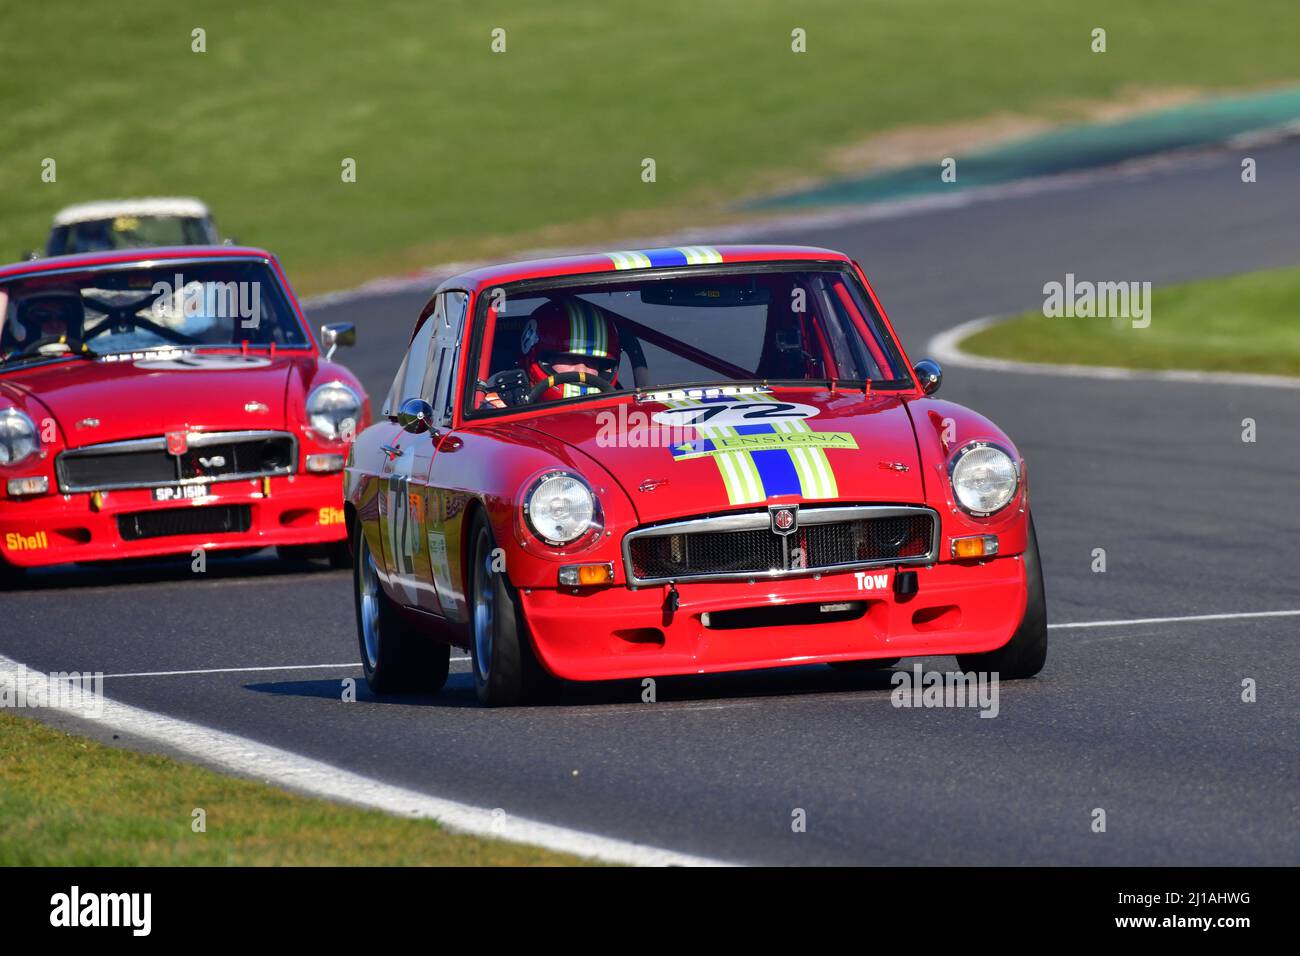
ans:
(146, 463)
(170, 522)
(122, 470)
(894, 535)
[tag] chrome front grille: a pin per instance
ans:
(745, 545)
(146, 463)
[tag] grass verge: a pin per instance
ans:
(69, 801)
(1245, 323)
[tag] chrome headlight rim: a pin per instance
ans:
(956, 460)
(335, 431)
(14, 414)
(585, 536)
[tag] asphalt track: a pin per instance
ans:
(1142, 720)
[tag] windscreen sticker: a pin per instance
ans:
(761, 460)
(204, 363)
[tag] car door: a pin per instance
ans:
(417, 542)
(404, 456)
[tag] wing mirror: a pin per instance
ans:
(335, 334)
(415, 415)
(929, 374)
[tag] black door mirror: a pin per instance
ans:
(415, 415)
(929, 374)
(335, 334)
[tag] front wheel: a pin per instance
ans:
(395, 656)
(1026, 652)
(506, 672)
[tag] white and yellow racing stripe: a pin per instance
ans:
(700, 255)
(630, 260)
(816, 476)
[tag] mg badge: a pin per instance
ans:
(784, 519)
(178, 443)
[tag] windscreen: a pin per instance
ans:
(111, 310)
(571, 341)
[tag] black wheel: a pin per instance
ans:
(395, 655)
(876, 665)
(506, 672)
(1026, 652)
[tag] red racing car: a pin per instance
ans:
(158, 401)
(680, 461)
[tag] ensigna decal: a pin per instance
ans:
(775, 440)
(763, 448)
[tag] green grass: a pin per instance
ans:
(1246, 323)
(68, 801)
(461, 151)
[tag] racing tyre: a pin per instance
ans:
(506, 672)
(396, 657)
(876, 665)
(1026, 652)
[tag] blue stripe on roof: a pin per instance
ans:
(665, 257)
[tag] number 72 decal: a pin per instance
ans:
(732, 414)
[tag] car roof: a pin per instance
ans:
(633, 260)
(148, 206)
(113, 257)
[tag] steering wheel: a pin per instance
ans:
(74, 345)
(125, 318)
(569, 378)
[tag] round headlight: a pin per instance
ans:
(17, 437)
(560, 509)
(333, 409)
(984, 478)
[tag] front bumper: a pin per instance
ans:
(51, 529)
(618, 632)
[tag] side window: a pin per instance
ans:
(411, 373)
(450, 314)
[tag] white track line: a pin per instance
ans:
(1240, 615)
(261, 761)
(233, 670)
(244, 670)
(945, 348)
(1179, 620)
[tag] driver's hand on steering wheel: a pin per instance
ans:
(600, 370)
